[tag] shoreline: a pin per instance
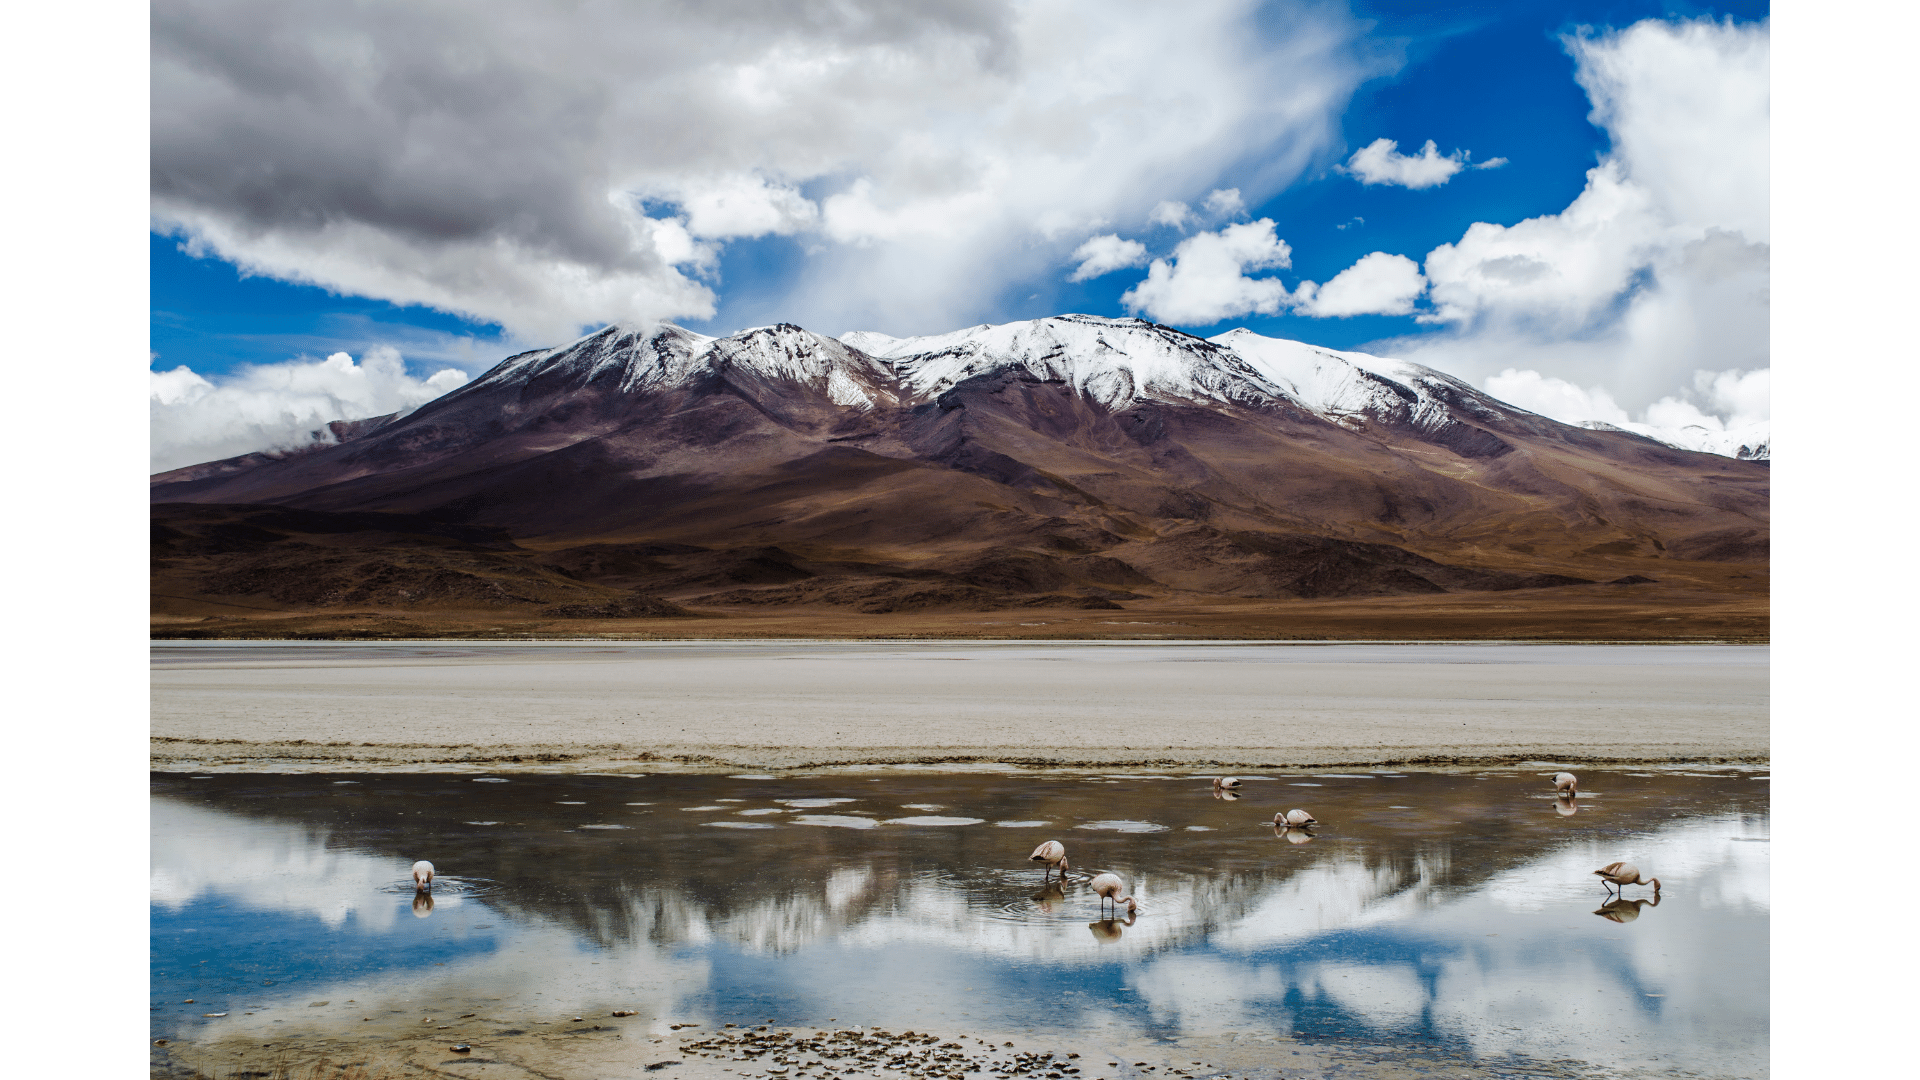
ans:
(809, 705)
(183, 755)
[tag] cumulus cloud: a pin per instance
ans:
(1105, 254)
(1225, 202)
(1169, 213)
(196, 419)
(1206, 279)
(545, 173)
(1660, 267)
(1379, 284)
(1380, 162)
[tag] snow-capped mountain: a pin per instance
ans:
(1106, 455)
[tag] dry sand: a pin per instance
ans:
(771, 705)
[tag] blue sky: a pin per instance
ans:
(1483, 81)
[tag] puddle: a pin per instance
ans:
(1443, 914)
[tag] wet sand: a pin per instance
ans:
(783, 705)
(604, 1046)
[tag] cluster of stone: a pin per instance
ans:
(787, 1055)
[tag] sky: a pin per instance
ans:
(355, 208)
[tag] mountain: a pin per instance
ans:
(1068, 462)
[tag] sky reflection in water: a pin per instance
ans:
(1442, 909)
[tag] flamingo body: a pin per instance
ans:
(1109, 887)
(1225, 783)
(423, 876)
(1623, 874)
(1295, 819)
(1053, 855)
(1566, 783)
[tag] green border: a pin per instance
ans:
(1842, 554)
(77, 289)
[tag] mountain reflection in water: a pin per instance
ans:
(1444, 909)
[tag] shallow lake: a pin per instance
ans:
(1455, 912)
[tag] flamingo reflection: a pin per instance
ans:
(1107, 930)
(1293, 836)
(1051, 893)
(422, 904)
(1621, 910)
(1564, 806)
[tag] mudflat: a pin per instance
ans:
(774, 705)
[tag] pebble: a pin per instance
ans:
(629, 1012)
(460, 1048)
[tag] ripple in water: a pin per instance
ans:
(838, 821)
(1021, 824)
(444, 885)
(736, 824)
(810, 803)
(1123, 826)
(605, 826)
(936, 820)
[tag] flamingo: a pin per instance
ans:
(1108, 886)
(1053, 854)
(1294, 819)
(1566, 783)
(423, 876)
(1225, 783)
(1624, 874)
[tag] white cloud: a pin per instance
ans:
(729, 206)
(501, 163)
(1206, 279)
(1556, 399)
(1174, 214)
(195, 419)
(1105, 254)
(1225, 202)
(1380, 162)
(1660, 267)
(1738, 400)
(1379, 284)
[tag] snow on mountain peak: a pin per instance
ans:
(1111, 361)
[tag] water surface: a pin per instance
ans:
(1450, 911)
